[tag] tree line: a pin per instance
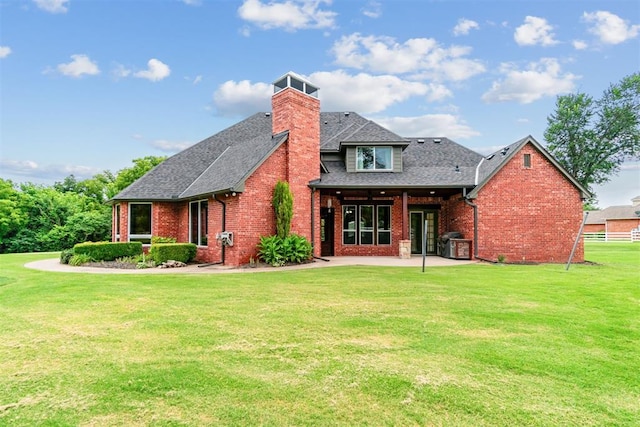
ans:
(38, 218)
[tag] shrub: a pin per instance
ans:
(163, 252)
(276, 251)
(270, 250)
(160, 239)
(282, 202)
(79, 259)
(65, 256)
(108, 251)
(296, 249)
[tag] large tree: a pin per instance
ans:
(591, 137)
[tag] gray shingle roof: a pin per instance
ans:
(225, 160)
(424, 164)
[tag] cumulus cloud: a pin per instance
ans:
(540, 79)
(290, 15)
(534, 31)
(79, 66)
(242, 98)
(5, 51)
(156, 71)
(373, 9)
(366, 93)
(339, 91)
(464, 26)
(429, 125)
(31, 169)
(53, 6)
(192, 2)
(579, 44)
(170, 146)
(421, 56)
(610, 28)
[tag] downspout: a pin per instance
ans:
(475, 221)
(478, 171)
(313, 220)
(224, 221)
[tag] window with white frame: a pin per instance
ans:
(366, 224)
(374, 158)
(140, 222)
(198, 222)
(116, 222)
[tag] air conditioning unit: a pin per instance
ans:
(225, 237)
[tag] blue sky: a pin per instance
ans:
(87, 86)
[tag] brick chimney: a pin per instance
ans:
(296, 108)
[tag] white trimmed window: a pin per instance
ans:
(199, 222)
(374, 158)
(140, 222)
(366, 225)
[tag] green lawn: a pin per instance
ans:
(470, 345)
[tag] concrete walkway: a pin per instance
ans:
(54, 265)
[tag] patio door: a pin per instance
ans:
(416, 231)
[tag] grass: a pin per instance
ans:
(474, 345)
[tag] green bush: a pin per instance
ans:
(79, 259)
(108, 251)
(162, 252)
(270, 250)
(276, 251)
(296, 249)
(65, 256)
(160, 239)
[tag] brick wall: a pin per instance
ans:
(529, 214)
(622, 225)
(250, 214)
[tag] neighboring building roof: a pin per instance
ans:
(613, 213)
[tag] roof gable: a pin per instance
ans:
(490, 165)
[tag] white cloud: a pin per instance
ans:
(464, 26)
(80, 66)
(540, 79)
(579, 44)
(120, 71)
(242, 98)
(373, 9)
(339, 91)
(422, 56)
(290, 15)
(364, 93)
(450, 125)
(534, 31)
(610, 28)
(53, 6)
(170, 146)
(31, 169)
(5, 51)
(156, 71)
(197, 80)
(192, 2)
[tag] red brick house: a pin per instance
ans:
(359, 189)
(615, 219)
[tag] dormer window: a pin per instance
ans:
(374, 159)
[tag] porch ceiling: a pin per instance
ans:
(390, 192)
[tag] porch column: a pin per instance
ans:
(405, 216)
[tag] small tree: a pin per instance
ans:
(282, 202)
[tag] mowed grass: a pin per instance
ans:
(474, 345)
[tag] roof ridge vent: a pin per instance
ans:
(504, 151)
(421, 141)
(437, 140)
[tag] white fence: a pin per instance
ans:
(628, 236)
